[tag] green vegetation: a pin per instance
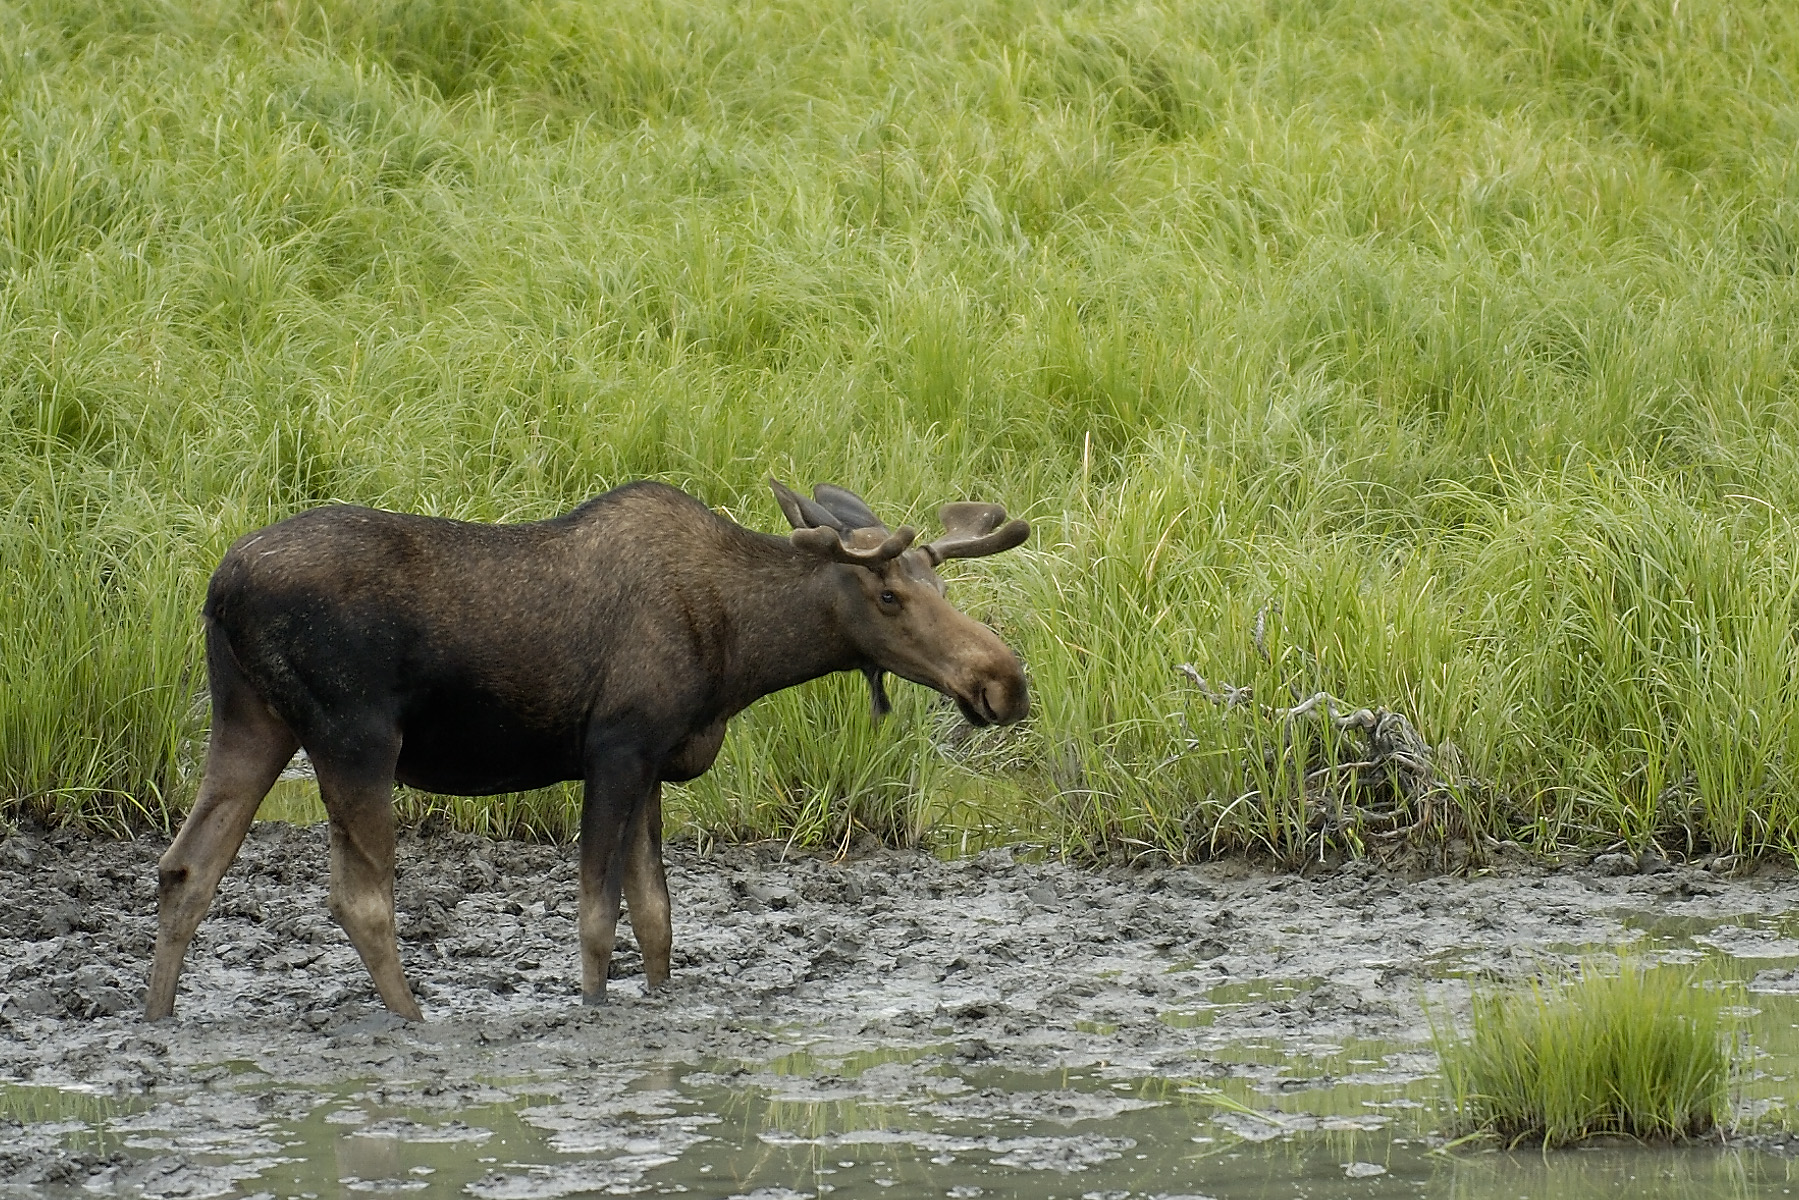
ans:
(1621, 1049)
(1448, 344)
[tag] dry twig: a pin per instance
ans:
(1388, 789)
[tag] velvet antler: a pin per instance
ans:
(974, 530)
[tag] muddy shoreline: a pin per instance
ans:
(989, 960)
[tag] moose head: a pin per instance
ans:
(893, 603)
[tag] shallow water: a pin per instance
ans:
(1258, 1118)
(691, 1133)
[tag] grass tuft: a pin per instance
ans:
(1617, 1049)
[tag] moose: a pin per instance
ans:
(609, 645)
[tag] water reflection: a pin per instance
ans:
(1685, 1174)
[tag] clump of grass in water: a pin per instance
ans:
(1618, 1049)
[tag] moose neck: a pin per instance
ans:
(785, 624)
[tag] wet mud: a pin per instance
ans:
(920, 974)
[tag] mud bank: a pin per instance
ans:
(991, 961)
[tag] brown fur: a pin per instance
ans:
(610, 645)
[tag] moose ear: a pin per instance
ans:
(847, 507)
(973, 530)
(803, 513)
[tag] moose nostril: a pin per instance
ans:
(1005, 702)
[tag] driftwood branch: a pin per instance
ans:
(1388, 789)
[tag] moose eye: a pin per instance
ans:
(888, 599)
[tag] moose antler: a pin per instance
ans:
(974, 530)
(837, 524)
(827, 542)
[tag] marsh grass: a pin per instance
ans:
(1619, 1048)
(1456, 337)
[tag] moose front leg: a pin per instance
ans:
(646, 890)
(619, 787)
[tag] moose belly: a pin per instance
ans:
(468, 751)
(693, 755)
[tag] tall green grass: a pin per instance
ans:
(1450, 343)
(1621, 1050)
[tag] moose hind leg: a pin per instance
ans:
(646, 890)
(360, 805)
(248, 749)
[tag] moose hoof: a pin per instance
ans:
(594, 999)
